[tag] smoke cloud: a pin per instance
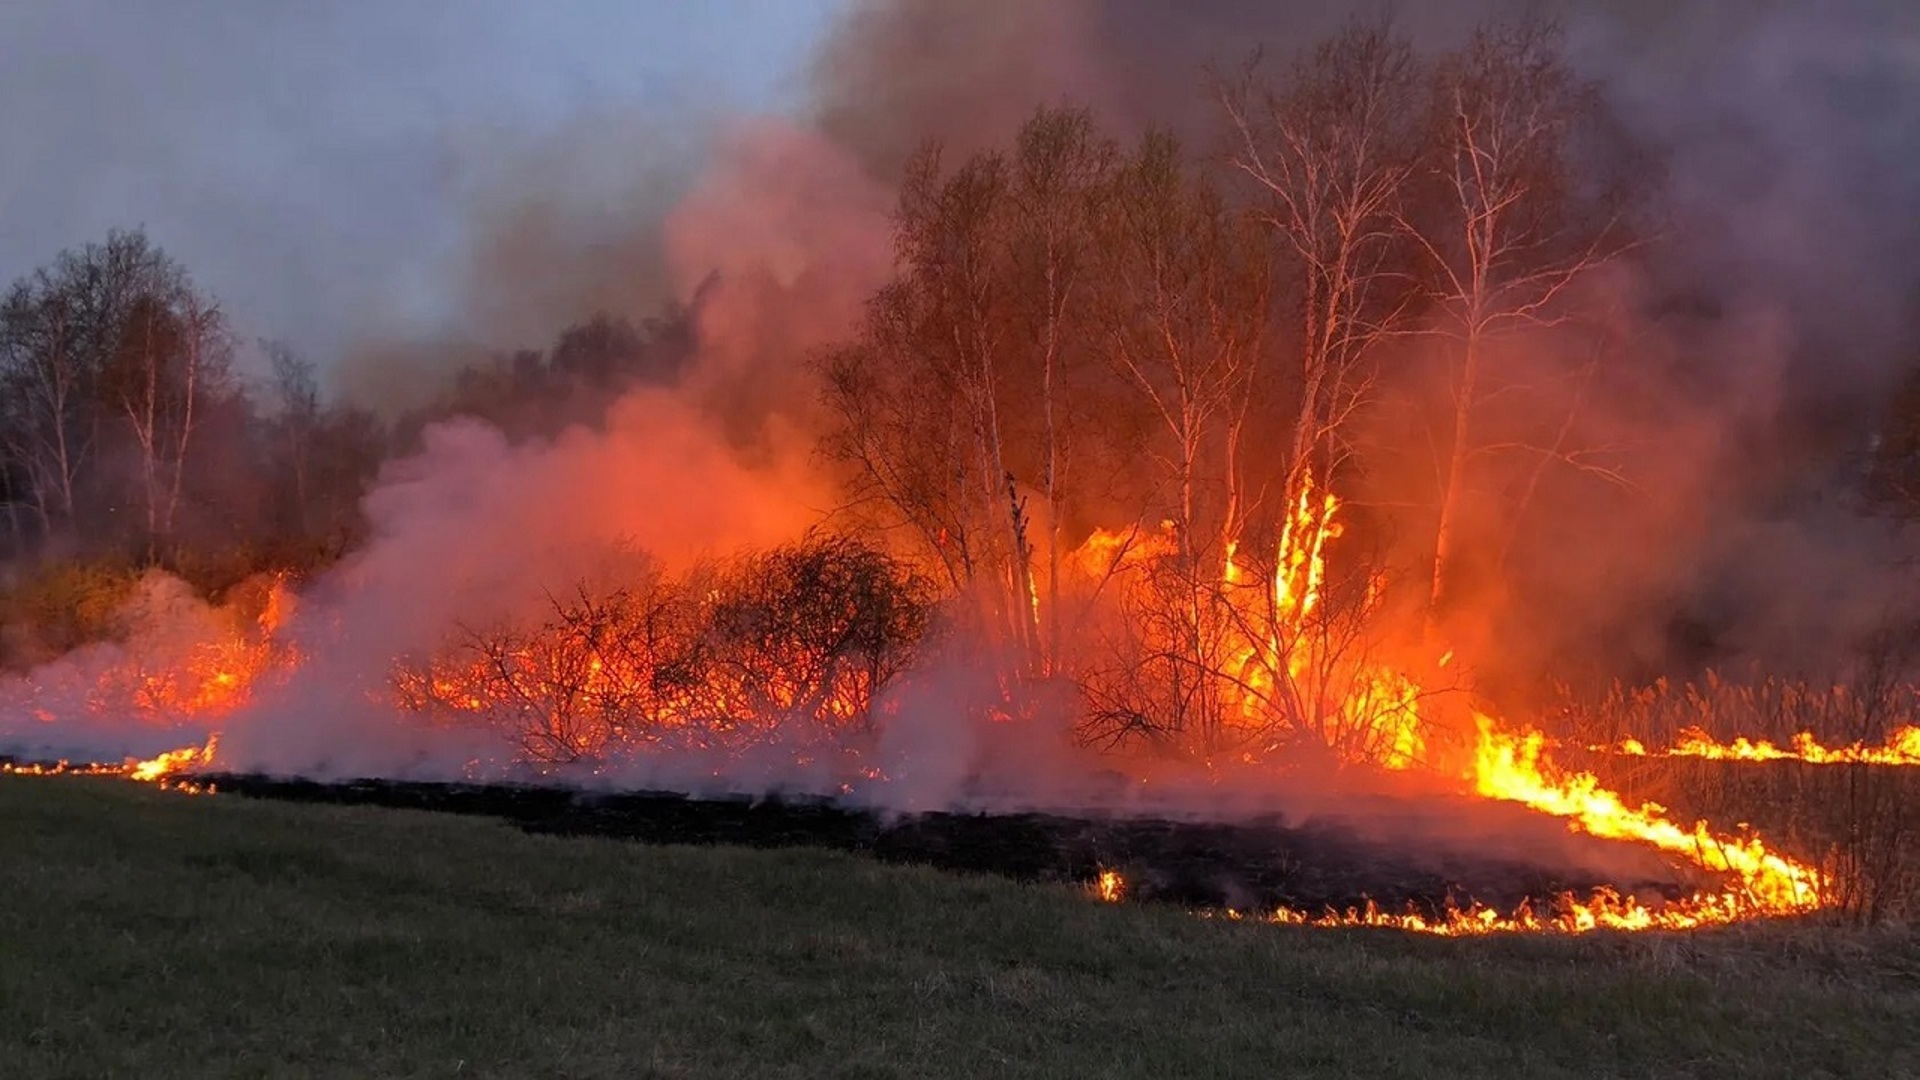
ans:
(1776, 306)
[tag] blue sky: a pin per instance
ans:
(313, 162)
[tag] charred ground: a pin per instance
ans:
(1403, 856)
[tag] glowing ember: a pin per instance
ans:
(1603, 910)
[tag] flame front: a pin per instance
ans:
(165, 770)
(1901, 747)
(1512, 767)
(585, 698)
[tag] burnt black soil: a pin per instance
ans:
(1253, 865)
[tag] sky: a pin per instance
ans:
(315, 163)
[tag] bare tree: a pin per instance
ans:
(173, 348)
(1329, 150)
(1185, 326)
(1182, 325)
(47, 381)
(1508, 230)
(933, 398)
(1058, 183)
(296, 417)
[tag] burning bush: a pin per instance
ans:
(799, 640)
(1246, 655)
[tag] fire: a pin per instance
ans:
(677, 668)
(1107, 552)
(1901, 747)
(1605, 909)
(1513, 767)
(1301, 570)
(156, 769)
(164, 770)
(1283, 665)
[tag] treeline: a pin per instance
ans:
(137, 432)
(1084, 332)
(1098, 363)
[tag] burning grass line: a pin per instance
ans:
(1901, 747)
(168, 771)
(1514, 767)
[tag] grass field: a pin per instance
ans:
(153, 935)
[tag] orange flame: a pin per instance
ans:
(1512, 767)
(163, 770)
(1901, 747)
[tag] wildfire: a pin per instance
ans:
(163, 770)
(1605, 909)
(601, 676)
(1901, 747)
(1512, 767)
(1284, 660)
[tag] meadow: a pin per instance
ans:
(153, 934)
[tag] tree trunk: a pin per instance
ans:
(1445, 535)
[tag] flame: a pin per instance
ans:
(163, 770)
(1604, 909)
(1301, 570)
(156, 769)
(1109, 552)
(1374, 711)
(588, 699)
(1901, 747)
(1512, 767)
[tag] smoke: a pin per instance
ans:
(148, 688)
(1762, 327)
(1786, 240)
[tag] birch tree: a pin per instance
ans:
(173, 349)
(1511, 225)
(1058, 185)
(1328, 150)
(45, 383)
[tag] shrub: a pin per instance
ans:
(800, 641)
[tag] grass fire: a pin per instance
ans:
(1411, 486)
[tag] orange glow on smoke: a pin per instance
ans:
(565, 688)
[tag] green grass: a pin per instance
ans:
(153, 935)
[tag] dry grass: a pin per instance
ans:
(1859, 822)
